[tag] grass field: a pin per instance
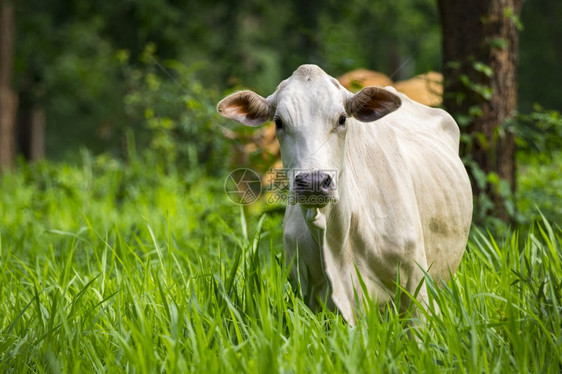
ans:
(109, 269)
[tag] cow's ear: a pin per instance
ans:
(246, 107)
(372, 103)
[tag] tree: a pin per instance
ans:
(480, 52)
(8, 100)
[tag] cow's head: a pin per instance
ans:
(312, 112)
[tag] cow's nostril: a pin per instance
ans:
(327, 182)
(313, 183)
(301, 181)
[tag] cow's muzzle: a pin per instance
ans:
(314, 189)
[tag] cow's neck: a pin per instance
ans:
(315, 218)
(330, 225)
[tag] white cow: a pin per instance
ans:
(382, 193)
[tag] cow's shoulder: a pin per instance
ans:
(427, 124)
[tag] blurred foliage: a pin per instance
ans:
(539, 139)
(121, 78)
(80, 59)
(539, 171)
(172, 114)
(540, 187)
(64, 197)
(69, 52)
(540, 132)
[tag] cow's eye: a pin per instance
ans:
(342, 120)
(278, 124)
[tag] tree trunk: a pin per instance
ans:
(480, 51)
(8, 99)
(30, 129)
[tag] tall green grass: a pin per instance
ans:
(107, 268)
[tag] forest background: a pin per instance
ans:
(89, 75)
(120, 250)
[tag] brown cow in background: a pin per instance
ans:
(359, 78)
(426, 89)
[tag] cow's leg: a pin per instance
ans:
(302, 253)
(416, 281)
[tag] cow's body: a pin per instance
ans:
(403, 198)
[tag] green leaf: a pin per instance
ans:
(499, 43)
(483, 68)
(510, 14)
